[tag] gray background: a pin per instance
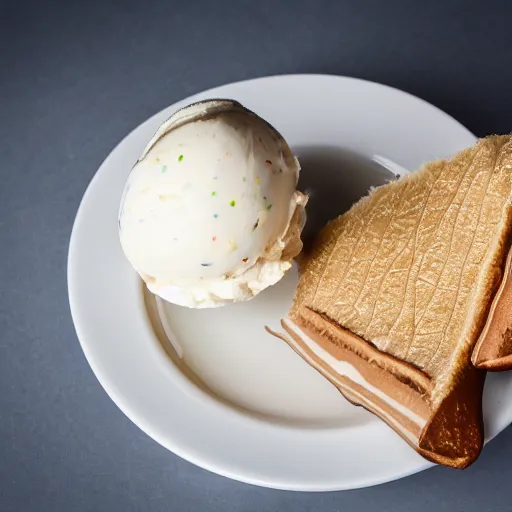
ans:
(76, 77)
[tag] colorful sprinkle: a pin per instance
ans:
(233, 247)
(214, 193)
(215, 215)
(180, 158)
(164, 168)
(245, 260)
(269, 206)
(257, 180)
(268, 163)
(256, 225)
(214, 238)
(232, 202)
(206, 264)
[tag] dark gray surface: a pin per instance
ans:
(76, 77)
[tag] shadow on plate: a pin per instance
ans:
(335, 179)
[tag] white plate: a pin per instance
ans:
(238, 401)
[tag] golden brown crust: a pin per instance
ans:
(450, 433)
(345, 339)
(404, 283)
(493, 350)
(454, 435)
(407, 265)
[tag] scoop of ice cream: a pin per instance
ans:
(210, 213)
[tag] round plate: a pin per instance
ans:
(212, 385)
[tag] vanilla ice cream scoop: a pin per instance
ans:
(210, 213)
